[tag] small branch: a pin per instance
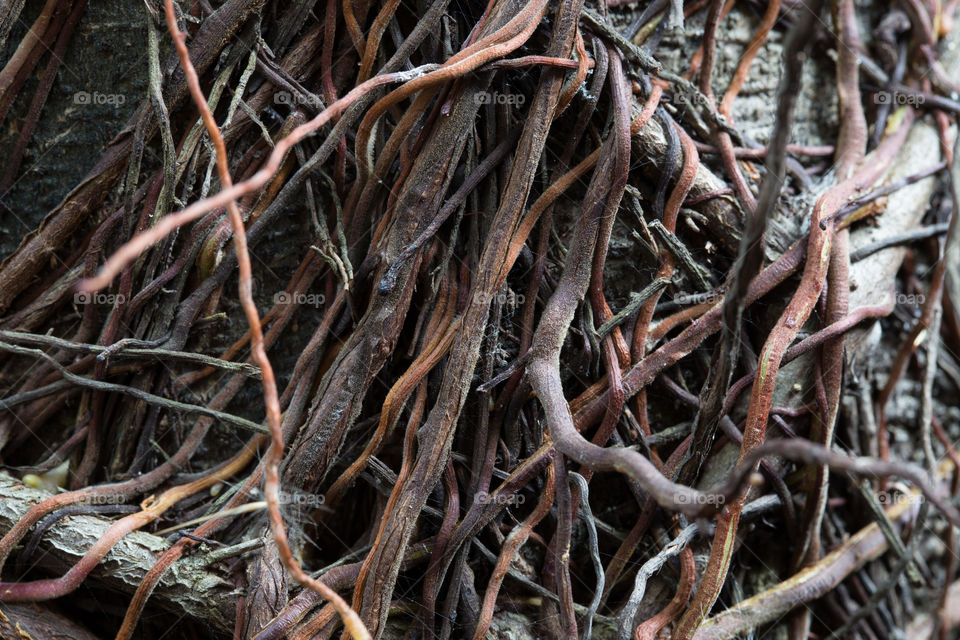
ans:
(150, 398)
(39, 340)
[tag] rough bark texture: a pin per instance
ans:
(191, 587)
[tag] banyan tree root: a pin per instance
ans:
(470, 243)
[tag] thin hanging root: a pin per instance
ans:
(544, 369)
(850, 150)
(32, 38)
(275, 451)
(498, 44)
(394, 402)
(691, 160)
(584, 63)
(697, 59)
(771, 356)
(135, 247)
(548, 197)
(743, 67)
(649, 629)
(671, 211)
(373, 40)
(353, 27)
(514, 541)
(653, 101)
